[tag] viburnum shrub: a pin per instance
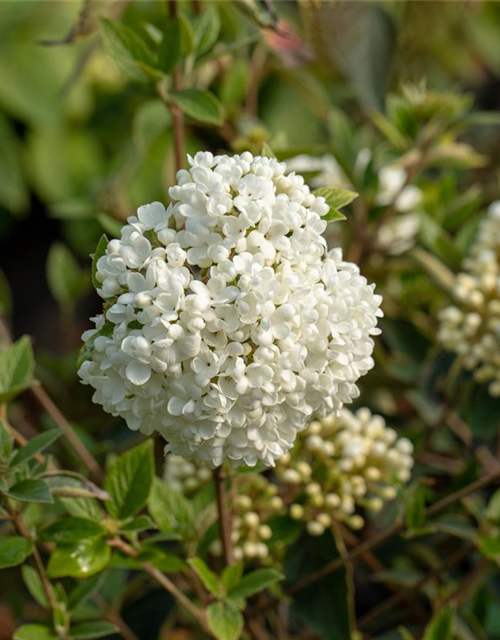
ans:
(288, 422)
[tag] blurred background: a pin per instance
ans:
(83, 143)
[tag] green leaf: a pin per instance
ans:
(93, 629)
(83, 591)
(206, 30)
(206, 575)
(493, 508)
(14, 550)
(170, 49)
(415, 510)
(37, 444)
(129, 481)
(490, 546)
(405, 634)
(17, 365)
(224, 622)
(79, 560)
(34, 585)
(71, 530)
(441, 625)
(199, 104)
(324, 605)
(231, 575)
(335, 199)
(34, 632)
(254, 582)
(128, 50)
(67, 281)
(170, 509)
(141, 523)
(31, 491)
(99, 252)
(266, 151)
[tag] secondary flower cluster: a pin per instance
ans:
(342, 463)
(226, 323)
(339, 466)
(471, 328)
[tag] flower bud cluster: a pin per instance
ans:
(226, 323)
(471, 328)
(342, 463)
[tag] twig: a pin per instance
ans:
(400, 595)
(54, 412)
(224, 515)
(23, 530)
(114, 617)
(382, 536)
(165, 582)
(49, 406)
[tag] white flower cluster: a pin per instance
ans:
(226, 323)
(341, 463)
(471, 328)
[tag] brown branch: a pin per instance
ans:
(402, 593)
(165, 582)
(54, 412)
(224, 515)
(24, 532)
(115, 618)
(382, 536)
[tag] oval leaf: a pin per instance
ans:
(224, 622)
(71, 529)
(129, 481)
(79, 560)
(31, 491)
(14, 551)
(36, 445)
(200, 105)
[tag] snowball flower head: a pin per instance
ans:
(471, 327)
(226, 322)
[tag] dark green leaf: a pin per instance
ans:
(84, 590)
(127, 48)
(37, 444)
(206, 575)
(31, 491)
(254, 582)
(34, 632)
(67, 281)
(34, 585)
(324, 605)
(71, 530)
(441, 625)
(99, 252)
(490, 546)
(206, 29)
(231, 575)
(171, 511)
(14, 550)
(16, 369)
(415, 510)
(93, 629)
(129, 481)
(199, 104)
(224, 622)
(79, 560)
(170, 49)
(141, 523)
